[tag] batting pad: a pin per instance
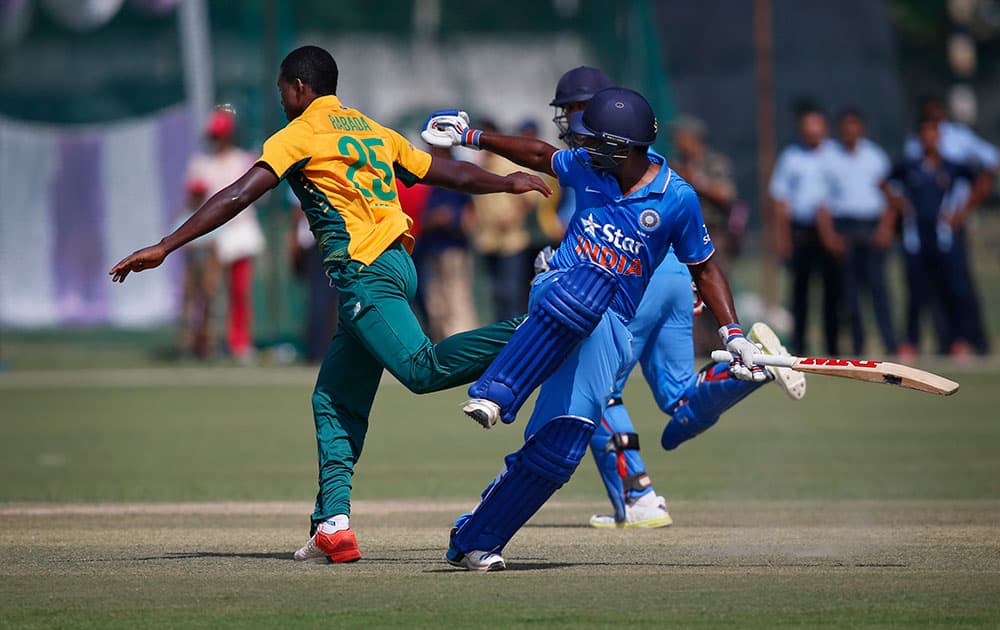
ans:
(545, 462)
(564, 315)
(715, 391)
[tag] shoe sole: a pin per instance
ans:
(649, 523)
(317, 560)
(791, 382)
(478, 414)
(498, 565)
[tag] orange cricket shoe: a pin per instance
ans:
(340, 546)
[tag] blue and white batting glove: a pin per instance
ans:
(745, 354)
(448, 128)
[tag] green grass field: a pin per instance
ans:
(149, 497)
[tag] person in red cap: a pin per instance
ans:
(239, 240)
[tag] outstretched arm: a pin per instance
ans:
(469, 178)
(526, 152)
(221, 207)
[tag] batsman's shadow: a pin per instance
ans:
(521, 565)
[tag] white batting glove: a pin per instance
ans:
(448, 128)
(543, 258)
(745, 353)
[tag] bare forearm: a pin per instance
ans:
(220, 208)
(526, 152)
(715, 292)
(469, 178)
(980, 191)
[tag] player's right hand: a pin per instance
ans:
(744, 365)
(446, 128)
(521, 182)
(146, 258)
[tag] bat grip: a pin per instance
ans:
(722, 356)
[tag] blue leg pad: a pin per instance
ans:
(715, 391)
(567, 311)
(533, 474)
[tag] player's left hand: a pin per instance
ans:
(447, 128)
(745, 353)
(146, 258)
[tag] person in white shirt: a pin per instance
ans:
(239, 240)
(855, 227)
(799, 188)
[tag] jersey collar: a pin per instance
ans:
(659, 184)
(328, 101)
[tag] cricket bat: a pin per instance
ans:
(859, 370)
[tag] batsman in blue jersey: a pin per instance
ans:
(631, 209)
(662, 345)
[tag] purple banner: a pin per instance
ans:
(78, 199)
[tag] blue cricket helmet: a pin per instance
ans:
(617, 114)
(615, 120)
(579, 85)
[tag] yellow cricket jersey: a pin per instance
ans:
(343, 167)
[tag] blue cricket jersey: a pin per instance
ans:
(629, 235)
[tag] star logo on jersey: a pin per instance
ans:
(590, 226)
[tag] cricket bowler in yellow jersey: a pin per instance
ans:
(344, 168)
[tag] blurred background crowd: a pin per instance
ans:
(844, 153)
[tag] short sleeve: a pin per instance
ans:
(689, 236)
(409, 163)
(984, 154)
(288, 150)
(778, 186)
(564, 164)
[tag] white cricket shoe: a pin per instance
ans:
(477, 560)
(648, 512)
(485, 412)
(311, 553)
(792, 382)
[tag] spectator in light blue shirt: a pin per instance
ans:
(799, 188)
(854, 226)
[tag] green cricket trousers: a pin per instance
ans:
(377, 331)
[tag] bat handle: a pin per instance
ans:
(722, 356)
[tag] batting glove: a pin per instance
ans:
(543, 258)
(745, 352)
(448, 128)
